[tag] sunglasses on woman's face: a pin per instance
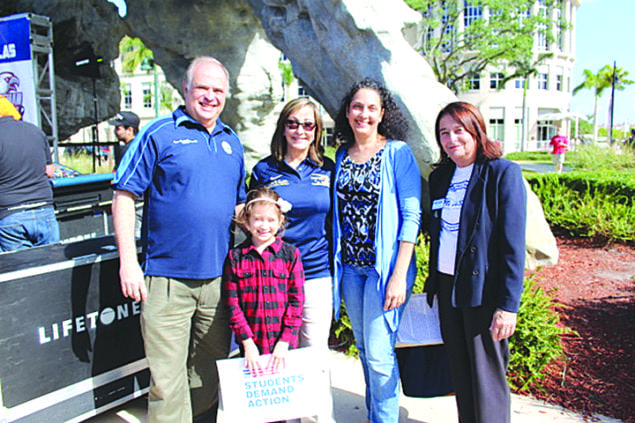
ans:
(293, 124)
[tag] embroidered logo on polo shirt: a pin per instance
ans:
(227, 147)
(321, 180)
(278, 183)
(185, 141)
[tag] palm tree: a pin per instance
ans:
(599, 82)
(134, 53)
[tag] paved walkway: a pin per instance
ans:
(348, 398)
(540, 167)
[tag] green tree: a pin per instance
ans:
(167, 96)
(598, 82)
(134, 53)
(463, 38)
(584, 127)
(286, 71)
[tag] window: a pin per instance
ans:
(147, 95)
(302, 91)
(543, 81)
(126, 94)
(496, 80)
(542, 40)
(426, 40)
(428, 30)
(559, 82)
(474, 83)
(518, 126)
(448, 34)
(496, 130)
(519, 83)
(546, 130)
(559, 33)
(329, 136)
(471, 13)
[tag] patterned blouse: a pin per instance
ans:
(358, 187)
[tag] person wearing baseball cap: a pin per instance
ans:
(126, 128)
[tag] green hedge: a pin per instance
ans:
(588, 204)
(618, 184)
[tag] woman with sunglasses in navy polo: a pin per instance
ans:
(298, 171)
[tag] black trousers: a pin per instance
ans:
(478, 364)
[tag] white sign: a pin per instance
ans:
(420, 323)
(17, 79)
(297, 391)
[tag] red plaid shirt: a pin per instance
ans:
(265, 293)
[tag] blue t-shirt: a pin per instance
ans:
(308, 190)
(191, 181)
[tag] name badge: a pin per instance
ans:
(438, 204)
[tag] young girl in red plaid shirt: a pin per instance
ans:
(263, 283)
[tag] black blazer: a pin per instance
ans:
(490, 256)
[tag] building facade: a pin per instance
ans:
(549, 91)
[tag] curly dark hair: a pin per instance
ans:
(393, 126)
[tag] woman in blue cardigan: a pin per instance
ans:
(376, 207)
(477, 258)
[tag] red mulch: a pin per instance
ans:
(596, 286)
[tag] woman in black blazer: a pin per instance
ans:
(477, 257)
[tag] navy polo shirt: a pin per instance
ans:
(191, 181)
(308, 190)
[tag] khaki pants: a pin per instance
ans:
(185, 330)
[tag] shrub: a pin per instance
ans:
(537, 338)
(422, 253)
(596, 157)
(588, 204)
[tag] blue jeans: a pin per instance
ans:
(29, 228)
(375, 342)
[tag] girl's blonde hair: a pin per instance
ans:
(259, 196)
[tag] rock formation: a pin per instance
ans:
(331, 44)
(78, 25)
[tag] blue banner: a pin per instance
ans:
(14, 40)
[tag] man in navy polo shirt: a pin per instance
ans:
(189, 167)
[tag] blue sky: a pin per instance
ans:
(605, 32)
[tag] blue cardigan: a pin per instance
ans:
(490, 254)
(398, 219)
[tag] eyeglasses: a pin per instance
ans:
(293, 124)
